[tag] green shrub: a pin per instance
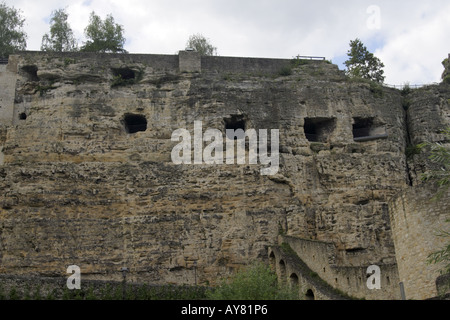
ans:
(297, 61)
(37, 294)
(376, 89)
(13, 294)
(90, 295)
(285, 71)
(412, 150)
(447, 79)
(256, 282)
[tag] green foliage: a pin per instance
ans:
(447, 79)
(13, 294)
(442, 255)
(44, 89)
(61, 38)
(12, 36)
(285, 71)
(406, 90)
(256, 282)
(108, 292)
(26, 294)
(363, 64)
(119, 81)
(376, 89)
(51, 295)
(126, 76)
(406, 103)
(103, 36)
(2, 293)
(90, 295)
(202, 45)
(439, 154)
(412, 150)
(37, 293)
(297, 61)
(69, 61)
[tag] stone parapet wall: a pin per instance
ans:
(321, 258)
(417, 219)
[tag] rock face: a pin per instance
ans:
(79, 186)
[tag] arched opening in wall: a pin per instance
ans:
(134, 123)
(309, 295)
(293, 281)
(272, 260)
(22, 116)
(319, 129)
(233, 123)
(282, 268)
(366, 129)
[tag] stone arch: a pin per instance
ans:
(293, 281)
(282, 271)
(309, 295)
(272, 260)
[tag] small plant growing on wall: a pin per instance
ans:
(125, 76)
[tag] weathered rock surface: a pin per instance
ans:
(76, 188)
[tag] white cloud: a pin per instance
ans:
(413, 53)
(412, 40)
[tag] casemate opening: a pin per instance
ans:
(134, 123)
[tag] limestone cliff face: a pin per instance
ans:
(78, 187)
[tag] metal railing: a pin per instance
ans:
(410, 86)
(3, 60)
(309, 58)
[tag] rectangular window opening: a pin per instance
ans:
(366, 129)
(319, 129)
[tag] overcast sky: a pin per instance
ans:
(410, 37)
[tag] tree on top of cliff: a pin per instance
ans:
(202, 45)
(363, 64)
(12, 37)
(61, 36)
(103, 36)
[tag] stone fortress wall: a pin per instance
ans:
(418, 219)
(79, 186)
